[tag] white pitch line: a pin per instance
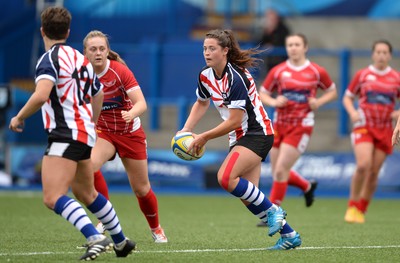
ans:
(260, 249)
(204, 250)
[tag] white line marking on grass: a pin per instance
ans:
(204, 250)
(259, 249)
(35, 253)
(360, 247)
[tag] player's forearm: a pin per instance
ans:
(233, 122)
(348, 105)
(34, 103)
(327, 97)
(97, 104)
(138, 109)
(267, 100)
(197, 112)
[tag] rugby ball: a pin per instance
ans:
(180, 144)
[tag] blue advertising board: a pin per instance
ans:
(332, 170)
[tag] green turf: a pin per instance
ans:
(205, 229)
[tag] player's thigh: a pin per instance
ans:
(239, 161)
(287, 157)
(102, 151)
(273, 157)
(379, 158)
(137, 171)
(363, 152)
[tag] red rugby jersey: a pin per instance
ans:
(297, 84)
(118, 80)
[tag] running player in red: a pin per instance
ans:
(291, 88)
(227, 83)
(70, 96)
(119, 127)
(377, 88)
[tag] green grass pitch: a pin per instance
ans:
(205, 228)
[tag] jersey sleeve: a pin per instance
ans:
(128, 80)
(45, 70)
(202, 92)
(354, 86)
(97, 86)
(397, 73)
(325, 80)
(238, 95)
(270, 82)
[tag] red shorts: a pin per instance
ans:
(295, 135)
(129, 145)
(381, 138)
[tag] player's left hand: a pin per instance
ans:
(396, 136)
(197, 144)
(313, 103)
(126, 115)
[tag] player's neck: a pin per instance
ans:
(48, 43)
(298, 62)
(380, 66)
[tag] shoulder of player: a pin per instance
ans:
(278, 68)
(205, 69)
(119, 68)
(205, 73)
(317, 66)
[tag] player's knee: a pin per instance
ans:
(96, 166)
(49, 201)
(363, 169)
(219, 177)
(281, 174)
(225, 174)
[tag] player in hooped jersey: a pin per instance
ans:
(119, 128)
(70, 96)
(377, 88)
(228, 84)
(291, 87)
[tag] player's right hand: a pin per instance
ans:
(16, 124)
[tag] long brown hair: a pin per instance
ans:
(112, 55)
(237, 56)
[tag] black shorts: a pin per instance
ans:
(69, 149)
(259, 144)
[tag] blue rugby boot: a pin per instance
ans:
(286, 243)
(276, 215)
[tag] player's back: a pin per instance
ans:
(68, 113)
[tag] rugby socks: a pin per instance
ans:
(286, 230)
(100, 184)
(149, 206)
(104, 211)
(278, 192)
(259, 203)
(351, 203)
(72, 211)
(298, 181)
(363, 205)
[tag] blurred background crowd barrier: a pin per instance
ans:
(161, 41)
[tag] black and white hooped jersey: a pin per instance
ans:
(68, 113)
(235, 90)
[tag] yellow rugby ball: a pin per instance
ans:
(180, 144)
